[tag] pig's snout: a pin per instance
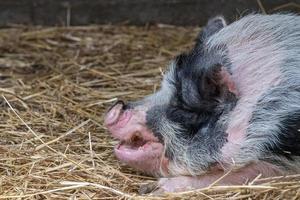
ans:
(119, 122)
(138, 146)
(114, 113)
(116, 103)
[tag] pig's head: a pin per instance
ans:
(181, 128)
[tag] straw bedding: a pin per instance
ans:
(55, 85)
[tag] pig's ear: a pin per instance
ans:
(213, 26)
(217, 83)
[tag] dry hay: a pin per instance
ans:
(55, 86)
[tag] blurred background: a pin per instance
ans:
(136, 12)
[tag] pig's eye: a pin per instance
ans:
(183, 111)
(182, 103)
(187, 108)
(181, 115)
(188, 119)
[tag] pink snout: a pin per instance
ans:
(138, 146)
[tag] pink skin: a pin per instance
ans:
(139, 148)
(227, 80)
(235, 177)
(249, 80)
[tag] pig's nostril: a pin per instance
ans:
(116, 103)
(119, 102)
(114, 113)
(126, 106)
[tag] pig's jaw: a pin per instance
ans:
(138, 147)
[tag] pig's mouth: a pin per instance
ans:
(136, 142)
(140, 153)
(138, 147)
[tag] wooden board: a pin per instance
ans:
(139, 12)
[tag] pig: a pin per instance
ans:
(227, 111)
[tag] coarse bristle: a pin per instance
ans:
(55, 86)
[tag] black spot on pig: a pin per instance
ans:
(198, 80)
(288, 144)
(277, 115)
(154, 117)
(198, 101)
(199, 97)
